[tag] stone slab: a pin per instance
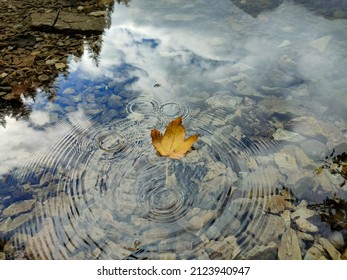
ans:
(68, 21)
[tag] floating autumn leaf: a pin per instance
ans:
(173, 143)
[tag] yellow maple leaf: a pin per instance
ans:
(173, 143)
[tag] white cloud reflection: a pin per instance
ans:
(211, 44)
(198, 44)
(23, 142)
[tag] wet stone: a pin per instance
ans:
(303, 187)
(302, 211)
(214, 231)
(98, 14)
(76, 98)
(266, 233)
(277, 204)
(316, 252)
(226, 248)
(79, 256)
(57, 206)
(286, 218)
(155, 234)
(308, 126)
(96, 253)
(69, 91)
(301, 157)
(167, 256)
(43, 20)
(51, 61)
(305, 236)
(329, 181)
(5, 224)
(198, 220)
(245, 88)
(214, 170)
(333, 253)
(285, 160)
(277, 105)
(289, 248)
(224, 100)
(305, 226)
(60, 65)
(19, 207)
(68, 21)
(272, 178)
(178, 245)
(62, 44)
(43, 78)
(336, 239)
(263, 252)
(65, 101)
(320, 44)
(96, 234)
(18, 221)
(282, 134)
(46, 237)
(115, 101)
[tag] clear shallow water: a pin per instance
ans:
(81, 180)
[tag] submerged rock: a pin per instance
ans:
(308, 126)
(302, 211)
(199, 218)
(284, 160)
(282, 134)
(276, 204)
(300, 216)
(315, 149)
(305, 236)
(333, 253)
(305, 226)
(263, 252)
(19, 207)
(265, 232)
(316, 252)
(289, 248)
(224, 99)
(320, 44)
(336, 239)
(224, 249)
(11, 225)
(167, 256)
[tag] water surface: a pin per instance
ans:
(266, 92)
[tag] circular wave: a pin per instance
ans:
(171, 109)
(107, 194)
(142, 106)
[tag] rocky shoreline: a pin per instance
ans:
(36, 41)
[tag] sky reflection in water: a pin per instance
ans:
(189, 49)
(191, 53)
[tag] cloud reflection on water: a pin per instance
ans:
(287, 56)
(193, 46)
(22, 142)
(203, 46)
